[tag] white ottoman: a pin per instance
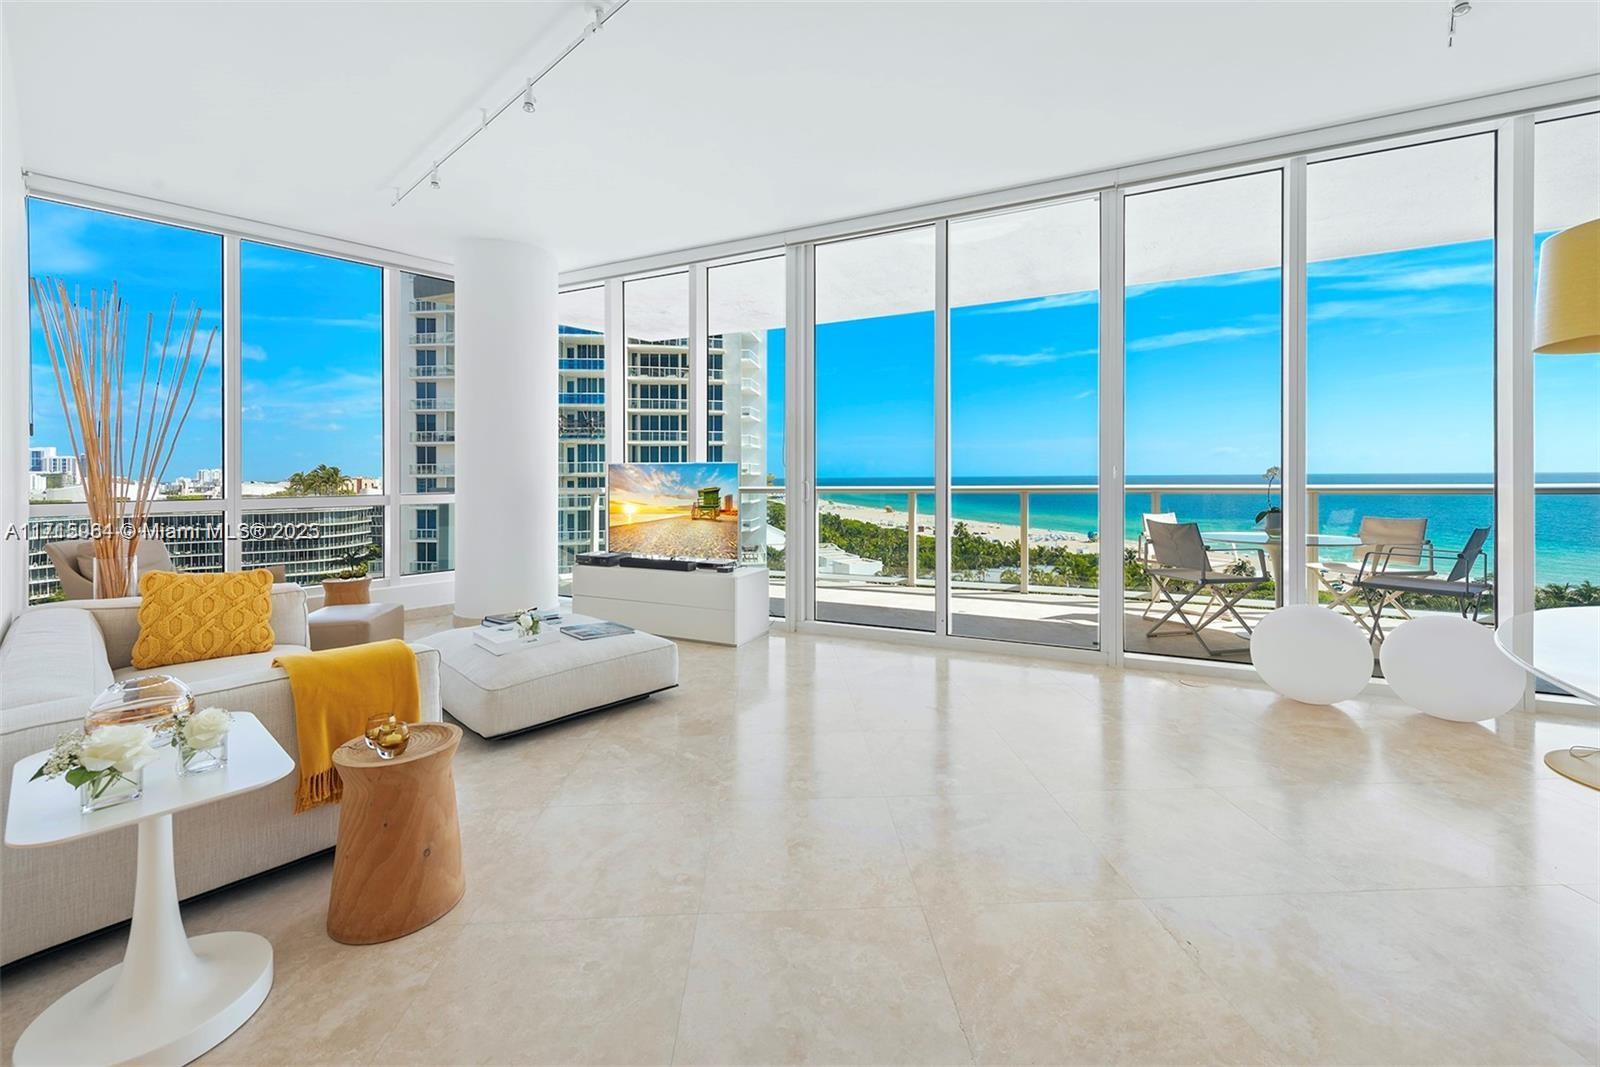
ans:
(554, 678)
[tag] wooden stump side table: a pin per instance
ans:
(397, 865)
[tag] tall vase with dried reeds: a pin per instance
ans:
(123, 439)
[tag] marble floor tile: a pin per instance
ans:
(585, 991)
(828, 850)
(1088, 982)
(1192, 842)
(1497, 975)
(587, 861)
(839, 853)
(818, 987)
(996, 848)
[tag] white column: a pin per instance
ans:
(505, 428)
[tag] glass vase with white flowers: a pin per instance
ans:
(201, 738)
(106, 765)
(528, 626)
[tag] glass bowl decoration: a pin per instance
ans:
(148, 700)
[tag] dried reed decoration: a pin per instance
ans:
(123, 440)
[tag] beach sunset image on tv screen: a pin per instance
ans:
(686, 510)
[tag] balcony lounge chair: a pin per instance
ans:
(1401, 544)
(1181, 559)
(1381, 586)
(1144, 546)
(74, 563)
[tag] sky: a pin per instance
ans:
(1400, 368)
(311, 339)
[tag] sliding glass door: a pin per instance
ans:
(1203, 417)
(874, 430)
(1024, 362)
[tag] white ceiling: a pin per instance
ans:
(684, 122)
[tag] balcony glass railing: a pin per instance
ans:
(648, 403)
(575, 432)
(433, 403)
(424, 535)
(657, 436)
(438, 337)
(581, 363)
(675, 373)
(431, 305)
(423, 437)
(432, 470)
(432, 370)
(582, 399)
(582, 466)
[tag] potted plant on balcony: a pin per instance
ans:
(1270, 518)
(351, 584)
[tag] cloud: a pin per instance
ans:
(1401, 278)
(1393, 308)
(1085, 395)
(1043, 303)
(373, 321)
(1179, 338)
(252, 353)
(1032, 359)
(1209, 281)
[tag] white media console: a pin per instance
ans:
(723, 609)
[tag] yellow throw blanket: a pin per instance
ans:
(335, 692)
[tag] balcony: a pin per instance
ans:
(676, 437)
(432, 470)
(433, 403)
(657, 403)
(581, 466)
(430, 305)
(581, 363)
(429, 437)
(438, 337)
(431, 370)
(573, 431)
(576, 400)
(426, 566)
(422, 535)
(676, 374)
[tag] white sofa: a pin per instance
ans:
(54, 660)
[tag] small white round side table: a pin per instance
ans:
(1561, 645)
(172, 997)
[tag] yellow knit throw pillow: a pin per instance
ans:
(189, 617)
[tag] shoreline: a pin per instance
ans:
(1004, 533)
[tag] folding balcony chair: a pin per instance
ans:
(1402, 545)
(1381, 586)
(1143, 552)
(1181, 559)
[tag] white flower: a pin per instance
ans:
(127, 748)
(206, 728)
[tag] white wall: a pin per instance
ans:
(13, 345)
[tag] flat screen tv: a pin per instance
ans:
(680, 510)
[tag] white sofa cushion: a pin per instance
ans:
(210, 674)
(51, 665)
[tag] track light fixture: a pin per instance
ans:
(600, 13)
(1458, 9)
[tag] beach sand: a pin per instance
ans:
(1005, 533)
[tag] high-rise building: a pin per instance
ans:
(581, 448)
(428, 410)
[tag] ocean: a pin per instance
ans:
(1567, 528)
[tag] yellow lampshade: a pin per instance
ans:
(1566, 314)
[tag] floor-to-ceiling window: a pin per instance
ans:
(91, 253)
(1566, 388)
(745, 390)
(1024, 348)
(1399, 368)
(1203, 416)
(656, 317)
(874, 430)
(581, 422)
(311, 418)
